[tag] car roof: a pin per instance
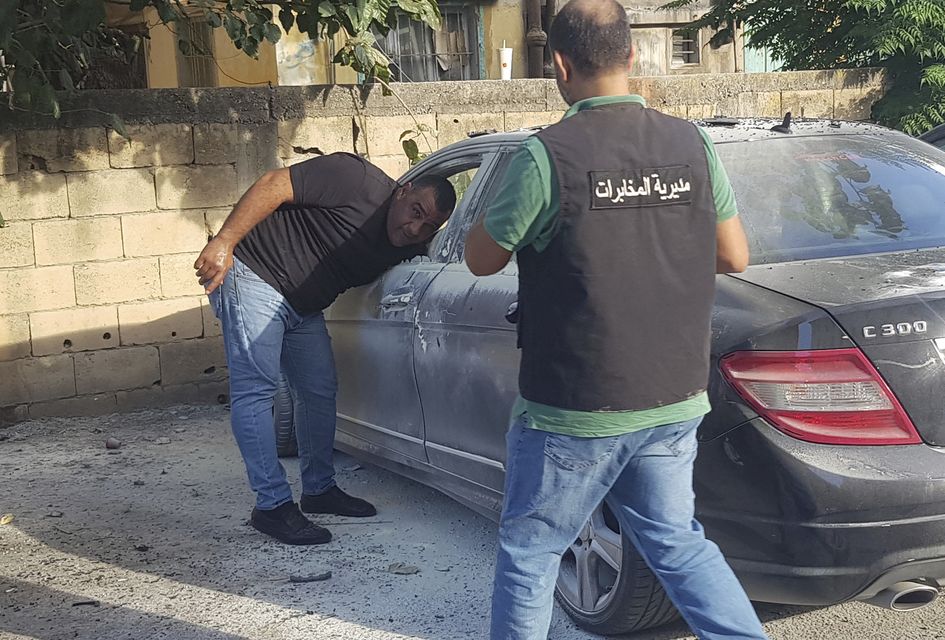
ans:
(721, 130)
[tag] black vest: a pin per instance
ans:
(615, 313)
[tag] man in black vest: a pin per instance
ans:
(620, 217)
(297, 239)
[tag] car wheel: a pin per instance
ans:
(604, 584)
(283, 420)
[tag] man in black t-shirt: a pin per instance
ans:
(297, 239)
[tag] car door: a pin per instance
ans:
(467, 360)
(374, 330)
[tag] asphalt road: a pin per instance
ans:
(151, 541)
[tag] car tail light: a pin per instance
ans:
(833, 396)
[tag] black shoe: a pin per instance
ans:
(337, 502)
(286, 524)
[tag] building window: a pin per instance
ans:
(685, 47)
(195, 64)
(419, 54)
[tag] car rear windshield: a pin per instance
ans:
(836, 195)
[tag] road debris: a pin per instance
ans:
(401, 569)
(314, 577)
(112, 443)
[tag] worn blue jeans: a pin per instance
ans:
(265, 336)
(554, 482)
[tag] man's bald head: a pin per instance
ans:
(593, 34)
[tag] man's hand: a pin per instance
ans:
(267, 193)
(214, 262)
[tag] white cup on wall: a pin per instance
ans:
(505, 62)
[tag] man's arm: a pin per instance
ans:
(483, 255)
(731, 246)
(266, 194)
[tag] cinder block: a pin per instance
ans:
(196, 187)
(193, 361)
(394, 166)
(701, 111)
(98, 193)
(525, 119)
(33, 195)
(808, 104)
(677, 110)
(16, 245)
(760, 104)
(14, 337)
(82, 240)
(14, 414)
(98, 405)
(7, 153)
(70, 330)
(160, 321)
(161, 232)
(210, 393)
(56, 150)
(215, 219)
(36, 379)
(178, 277)
(40, 289)
(383, 134)
(211, 325)
(150, 145)
(856, 104)
(453, 127)
(117, 369)
(316, 136)
(119, 281)
(216, 143)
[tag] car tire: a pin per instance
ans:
(621, 595)
(283, 420)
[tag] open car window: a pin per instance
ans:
(465, 169)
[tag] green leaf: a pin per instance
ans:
(119, 126)
(426, 10)
(65, 80)
(287, 18)
(165, 12)
(272, 33)
(411, 150)
(326, 9)
(233, 26)
(214, 19)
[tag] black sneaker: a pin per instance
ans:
(286, 524)
(337, 502)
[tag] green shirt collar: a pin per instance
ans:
(600, 101)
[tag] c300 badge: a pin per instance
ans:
(896, 329)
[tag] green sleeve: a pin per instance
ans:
(722, 190)
(522, 212)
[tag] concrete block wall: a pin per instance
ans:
(99, 307)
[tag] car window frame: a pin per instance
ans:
(443, 245)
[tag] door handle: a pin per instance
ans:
(397, 300)
(512, 314)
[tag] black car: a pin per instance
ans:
(821, 471)
(935, 137)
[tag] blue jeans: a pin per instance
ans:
(554, 482)
(264, 336)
